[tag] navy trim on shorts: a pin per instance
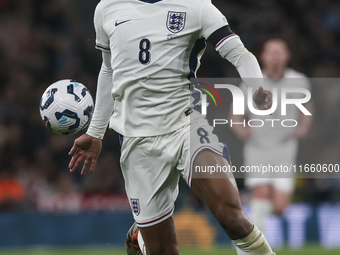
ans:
(121, 139)
(226, 153)
(194, 155)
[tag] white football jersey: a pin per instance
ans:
(155, 47)
(275, 137)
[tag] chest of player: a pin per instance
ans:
(144, 26)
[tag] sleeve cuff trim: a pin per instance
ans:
(224, 40)
(102, 48)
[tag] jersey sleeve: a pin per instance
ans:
(211, 19)
(102, 40)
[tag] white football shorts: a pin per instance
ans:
(282, 154)
(285, 185)
(151, 167)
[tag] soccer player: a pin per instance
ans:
(275, 146)
(150, 48)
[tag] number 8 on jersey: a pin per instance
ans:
(144, 54)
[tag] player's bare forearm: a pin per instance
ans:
(249, 70)
(85, 149)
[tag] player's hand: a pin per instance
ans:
(85, 148)
(263, 99)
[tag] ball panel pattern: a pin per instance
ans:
(66, 107)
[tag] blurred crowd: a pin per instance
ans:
(42, 41)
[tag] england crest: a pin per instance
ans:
(176, 21)
(135, 206)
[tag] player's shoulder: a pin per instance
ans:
(99, 7)
(102, 7)
(201, 2)
(103, 4)
(291, 73)
(301, 80)
(192, 4)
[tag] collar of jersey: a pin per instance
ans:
(150, 1)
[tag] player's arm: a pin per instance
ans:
(230, 47)
(215, 27)
(104, 102)
(241, 131)
(88, 146)
(305, 122)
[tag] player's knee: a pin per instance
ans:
(279, 209)
(163, 250)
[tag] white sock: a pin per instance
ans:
(253, 244)
(260, 209)
(141, 243)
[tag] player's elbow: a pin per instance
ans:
(106, 70)
(245, 57)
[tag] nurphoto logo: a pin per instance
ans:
(284, 99)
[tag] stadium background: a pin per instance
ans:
(41, 203)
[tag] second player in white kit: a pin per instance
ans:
(274, 145)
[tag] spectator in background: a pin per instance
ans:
(12, 193)
(64, 198)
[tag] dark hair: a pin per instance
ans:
(277, 38)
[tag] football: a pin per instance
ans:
(66, 107)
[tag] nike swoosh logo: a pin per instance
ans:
(117, 24)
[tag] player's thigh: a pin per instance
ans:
(280, 201)
(216, 188)
(201, 150)
(213, 190)
(197, 137)
(283, 189)
(151, 179)
(253, 158)
(263, 190)
(160, 238)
